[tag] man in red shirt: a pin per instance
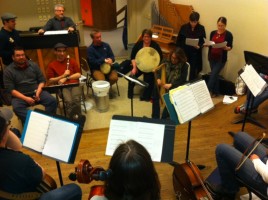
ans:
(65, 70)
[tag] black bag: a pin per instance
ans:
(125, 67)
(226, 87)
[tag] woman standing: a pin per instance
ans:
(218, 56)
(192, 30)
(176, 75)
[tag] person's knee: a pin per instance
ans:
(222, 149)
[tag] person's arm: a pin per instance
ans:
(260, 167)
(93, 60)
(229, 39)
(13, 142)
(47, 27)
(70, 24)
(182, 79)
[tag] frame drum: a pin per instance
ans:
(147, 59)
(105, 68)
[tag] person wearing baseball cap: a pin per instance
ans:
(19, 173)
(12, 139)
(9, 37)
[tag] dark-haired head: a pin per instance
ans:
(222, 20)
(179, 54)
(147, 32)
(134, 176)
(17, 48)
(194, 16)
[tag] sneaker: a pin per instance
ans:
(242, 110)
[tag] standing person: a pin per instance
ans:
(19, 173)
(148, 76)
(9, 37)
(176, 75)
(24, 80)
(59, 21)
(253, 172)
(193, 30)
(100, 53)
(65, 70)
(218, 56)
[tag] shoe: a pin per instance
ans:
(242, 110)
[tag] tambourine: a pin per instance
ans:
(147, 59)
(105, 68)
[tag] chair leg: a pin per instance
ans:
(83, 99)
(117, 89)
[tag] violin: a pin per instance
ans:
(85, 173)
(188, 182)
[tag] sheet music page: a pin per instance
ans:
(150, 135)
(192, 42)
(202, 96)
(253, 80)
(219, 45)
(56, 32)
(60, 140)
(35, 131)
(208, 42)
(185, 103)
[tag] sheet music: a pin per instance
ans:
(219, 45)
(36, 134)
(50, 136)
(202, 96)
(56, 32)
(185, 103)
(253, 80)
(192, 42)
(208, 42)
(60, 139)
(150, 135)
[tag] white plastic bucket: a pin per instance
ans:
(101, 90)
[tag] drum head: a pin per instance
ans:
(105, 68)
(147, 59)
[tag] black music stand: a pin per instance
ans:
(81, 121)
(133, 80)
(260, 64)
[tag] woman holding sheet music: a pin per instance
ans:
(253, 171)
(192, 30)
(218, 56)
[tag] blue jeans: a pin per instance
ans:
(227, 159)
(213, 83)
(258, 99)
(20, 107)
(67, 192)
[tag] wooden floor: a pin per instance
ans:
(207, 131)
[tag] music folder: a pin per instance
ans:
(53, 136)
(156, 135)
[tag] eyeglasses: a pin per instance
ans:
(59, 10)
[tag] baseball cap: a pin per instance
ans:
(6, 113)
(60, 45)
(7, 16)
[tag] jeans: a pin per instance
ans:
(66, 192)
(20, 107)
(258, 99)
(213, 83)
(227, 159)
(72, 99)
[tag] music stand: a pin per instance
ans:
(260, 64)
(133, 80)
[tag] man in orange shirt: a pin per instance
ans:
(65, 70)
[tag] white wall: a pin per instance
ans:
(246, 19)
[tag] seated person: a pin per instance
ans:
(256, 102)
(176, 75)
(59, 21)
(100, 53)
(148, 77)
(24, 80)
(65, 70)
(133, 174)
(253, 172)
(20, 173)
